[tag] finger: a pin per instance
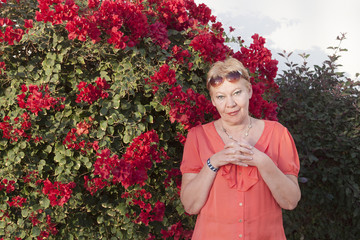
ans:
(239, 163)
(239, 150)
(231, 145)
(246, 145)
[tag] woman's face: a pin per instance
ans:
(231, 100)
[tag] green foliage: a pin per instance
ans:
(46, 57)
(321, 108)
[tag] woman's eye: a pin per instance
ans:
(237, 92)
(220, 97)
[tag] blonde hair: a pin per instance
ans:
(221, 68)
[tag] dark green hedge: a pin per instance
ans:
(320, 107)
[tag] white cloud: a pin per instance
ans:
(293, 25)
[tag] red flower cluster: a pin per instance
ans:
(258, 59)
(37, 99)
(50, 228)
(126, 17)
(81, 27)
(57, 192)
(173, 174)
(131, 169)
(180, 15)
(176, 232)
(188, 108)
(28, 23)
(9, 185)
(105, 164)
(93, 3)
(10, 34)
(90, 93)
(18, 128)
(180, 55)
(31, 177)
(211, 46)
(138, 159)
(71, 139)
(148, 212)
(115, 19)
(164, 75)
(173, 13)
(17, 201)
(181, 138)
(94, 184)
(55, 12)
(201, 13)
(158, 33)
(34, 217)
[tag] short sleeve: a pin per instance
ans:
(191, 162)
(288, 156)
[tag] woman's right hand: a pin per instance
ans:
(233, 153)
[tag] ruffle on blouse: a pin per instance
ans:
(241, 178)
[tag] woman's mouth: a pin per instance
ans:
(233, 113)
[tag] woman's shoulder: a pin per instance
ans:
(205, 126)
(274, 128)
(273, 124)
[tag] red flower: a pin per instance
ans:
(38, 99)
(95, 184)
(188, 108)
(212, 47)
(17, 201)
(180, 55)
(57, 192)
(164, 75)
(83, 128)
(9, 185)
(177, 232)
(93, 3)
(28, 23)
(90, 93)
(158, 33)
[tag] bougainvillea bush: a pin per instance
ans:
(96, 100)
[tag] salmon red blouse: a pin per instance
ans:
(240, 205)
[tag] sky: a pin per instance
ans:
(306, 26)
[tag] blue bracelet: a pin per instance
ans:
(211, 166)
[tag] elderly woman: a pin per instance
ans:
(238, 172)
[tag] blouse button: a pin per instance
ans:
(240, 220)
(240, 204)
(240, 236)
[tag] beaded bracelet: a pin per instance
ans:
(211, 166)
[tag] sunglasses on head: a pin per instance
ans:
(231, 76)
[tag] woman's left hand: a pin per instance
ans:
(257, 157)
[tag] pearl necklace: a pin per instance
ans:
(245, 135)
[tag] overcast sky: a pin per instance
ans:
(306, 26)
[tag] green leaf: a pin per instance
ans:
(103, 125)
(24, 213)
(100, 219)
(103, 111)
(111, 213)
(35, 231)
(45, 203)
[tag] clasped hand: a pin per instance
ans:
(241, 154)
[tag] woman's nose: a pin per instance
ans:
(230, 102)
